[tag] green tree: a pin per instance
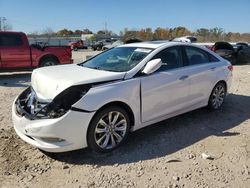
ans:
(203, 34)
(64, 32)
(161, 34)
(86, 31)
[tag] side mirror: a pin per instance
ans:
(152, 66)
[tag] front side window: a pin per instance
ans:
(170, 58)
(119, 59)
(10, 40)
(196, 56)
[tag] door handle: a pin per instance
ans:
(183, 77)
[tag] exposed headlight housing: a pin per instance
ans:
(29, 105)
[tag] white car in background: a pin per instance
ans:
(188, 39)
(98, 102)
(114, 44)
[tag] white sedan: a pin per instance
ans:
(98, 102)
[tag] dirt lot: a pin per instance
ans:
(167, 154)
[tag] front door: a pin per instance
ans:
(166, 90)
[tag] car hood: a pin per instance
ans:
(48, 82)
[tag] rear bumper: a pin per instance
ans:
(66, 133)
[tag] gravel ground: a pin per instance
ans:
(81, 55)
(171, 153)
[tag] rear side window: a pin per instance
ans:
(196, 56)
(10, 40)
(170, 58)
(213, 58)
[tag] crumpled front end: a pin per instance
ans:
(50, 126)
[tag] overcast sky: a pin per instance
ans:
(34, 15)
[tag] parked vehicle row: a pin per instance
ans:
(112, 45)
(79, 44)
(97, 103)
(239, 53)
(100, 44)
(16, 53)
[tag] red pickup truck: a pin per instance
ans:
(16, 53)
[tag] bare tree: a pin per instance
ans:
(33, 36)
(48, 33)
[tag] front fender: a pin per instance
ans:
(126, 91)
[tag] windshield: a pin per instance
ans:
(120, 59)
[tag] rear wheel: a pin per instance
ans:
(108, 129)
(48, 62)
(217, 96)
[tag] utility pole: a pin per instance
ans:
(105, 25)
(2, 25)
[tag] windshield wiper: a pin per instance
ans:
(100, 68)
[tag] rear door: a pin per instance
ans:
(166, 90)
(203, 69)
(14, 52)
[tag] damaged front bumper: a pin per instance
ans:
(65, 133)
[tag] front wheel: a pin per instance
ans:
(108, 129)
(217, 96)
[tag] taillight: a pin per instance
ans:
(213, 48)
(230, 67)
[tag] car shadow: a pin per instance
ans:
(168, 136)
(15, 79)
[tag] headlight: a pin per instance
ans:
(28, 104)
(62, 102)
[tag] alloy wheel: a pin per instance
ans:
(218, 96)
(110, 130)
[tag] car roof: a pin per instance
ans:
(11, 32)
(153, 44)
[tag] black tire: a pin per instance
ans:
(48, 62)
(75, 49)
(217, 96)
(95, 135)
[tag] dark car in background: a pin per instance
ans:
(99, 44)
(225, 50)
(243, 52)
(239, 53)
